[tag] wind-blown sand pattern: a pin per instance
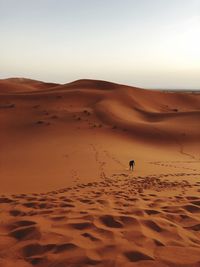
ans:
(67, 197)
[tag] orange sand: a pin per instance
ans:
(67, 195)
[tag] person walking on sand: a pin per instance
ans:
(131, 165)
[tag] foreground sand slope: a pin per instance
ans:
(67, 196)
(122, 220)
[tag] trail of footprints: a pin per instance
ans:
(100, 163)
(167, 164)
(82, 219)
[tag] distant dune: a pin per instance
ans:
(67, 196)
(16, 85)
(145, 114)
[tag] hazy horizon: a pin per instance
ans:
(150, 44)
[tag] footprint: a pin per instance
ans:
(135, 256)
(110, 221)
(26, 233)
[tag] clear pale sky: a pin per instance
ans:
(146, 43)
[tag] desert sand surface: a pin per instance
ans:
(67, 196)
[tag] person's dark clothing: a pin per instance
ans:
(131, 164)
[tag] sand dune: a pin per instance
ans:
(17, 85)
(67, 197)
